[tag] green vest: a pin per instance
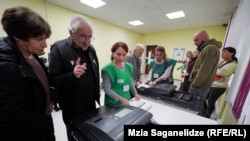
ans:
(183, 66)
(121, 80)
(159, 69)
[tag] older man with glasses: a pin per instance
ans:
(74, 71)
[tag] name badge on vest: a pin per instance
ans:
(120, 81)
(156, 75)
(126, 88)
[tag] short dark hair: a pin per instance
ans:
(231, 50)
(23, 23)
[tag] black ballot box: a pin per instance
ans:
(168, 94)
(107, 123)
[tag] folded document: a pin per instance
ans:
(141, 104)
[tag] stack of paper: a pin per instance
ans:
(141, 104)
(143, 85)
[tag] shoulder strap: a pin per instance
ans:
(220, 66)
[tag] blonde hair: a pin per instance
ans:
(162, 50)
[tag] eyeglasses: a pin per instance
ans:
(85, 38)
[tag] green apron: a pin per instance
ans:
(159, 69)
(121, 80)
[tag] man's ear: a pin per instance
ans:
(16, 39)
(71, 33)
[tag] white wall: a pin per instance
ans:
(238, 37)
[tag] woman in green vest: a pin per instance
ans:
(161, 68)
(117, 77)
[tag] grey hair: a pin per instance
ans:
(76, 22)
(189, 51)
(139, 45)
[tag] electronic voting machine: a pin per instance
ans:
(107, 123)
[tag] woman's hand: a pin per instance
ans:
(124, 101)
(50, 109)
(147, 82)
(152, 83)
(137, 97)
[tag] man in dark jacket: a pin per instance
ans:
(25, 106)
(74, 71)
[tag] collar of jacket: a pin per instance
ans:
(212, 42)
(24, 68)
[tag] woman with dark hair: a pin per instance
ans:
(117, 77)
(224, 71)
(25, 98)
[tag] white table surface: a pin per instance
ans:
(169, 114)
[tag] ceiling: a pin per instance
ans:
(199, 13)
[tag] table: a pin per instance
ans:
(167, 114)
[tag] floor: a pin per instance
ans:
(60, 130)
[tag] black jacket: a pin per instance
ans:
(71, 90)
(22, 98)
